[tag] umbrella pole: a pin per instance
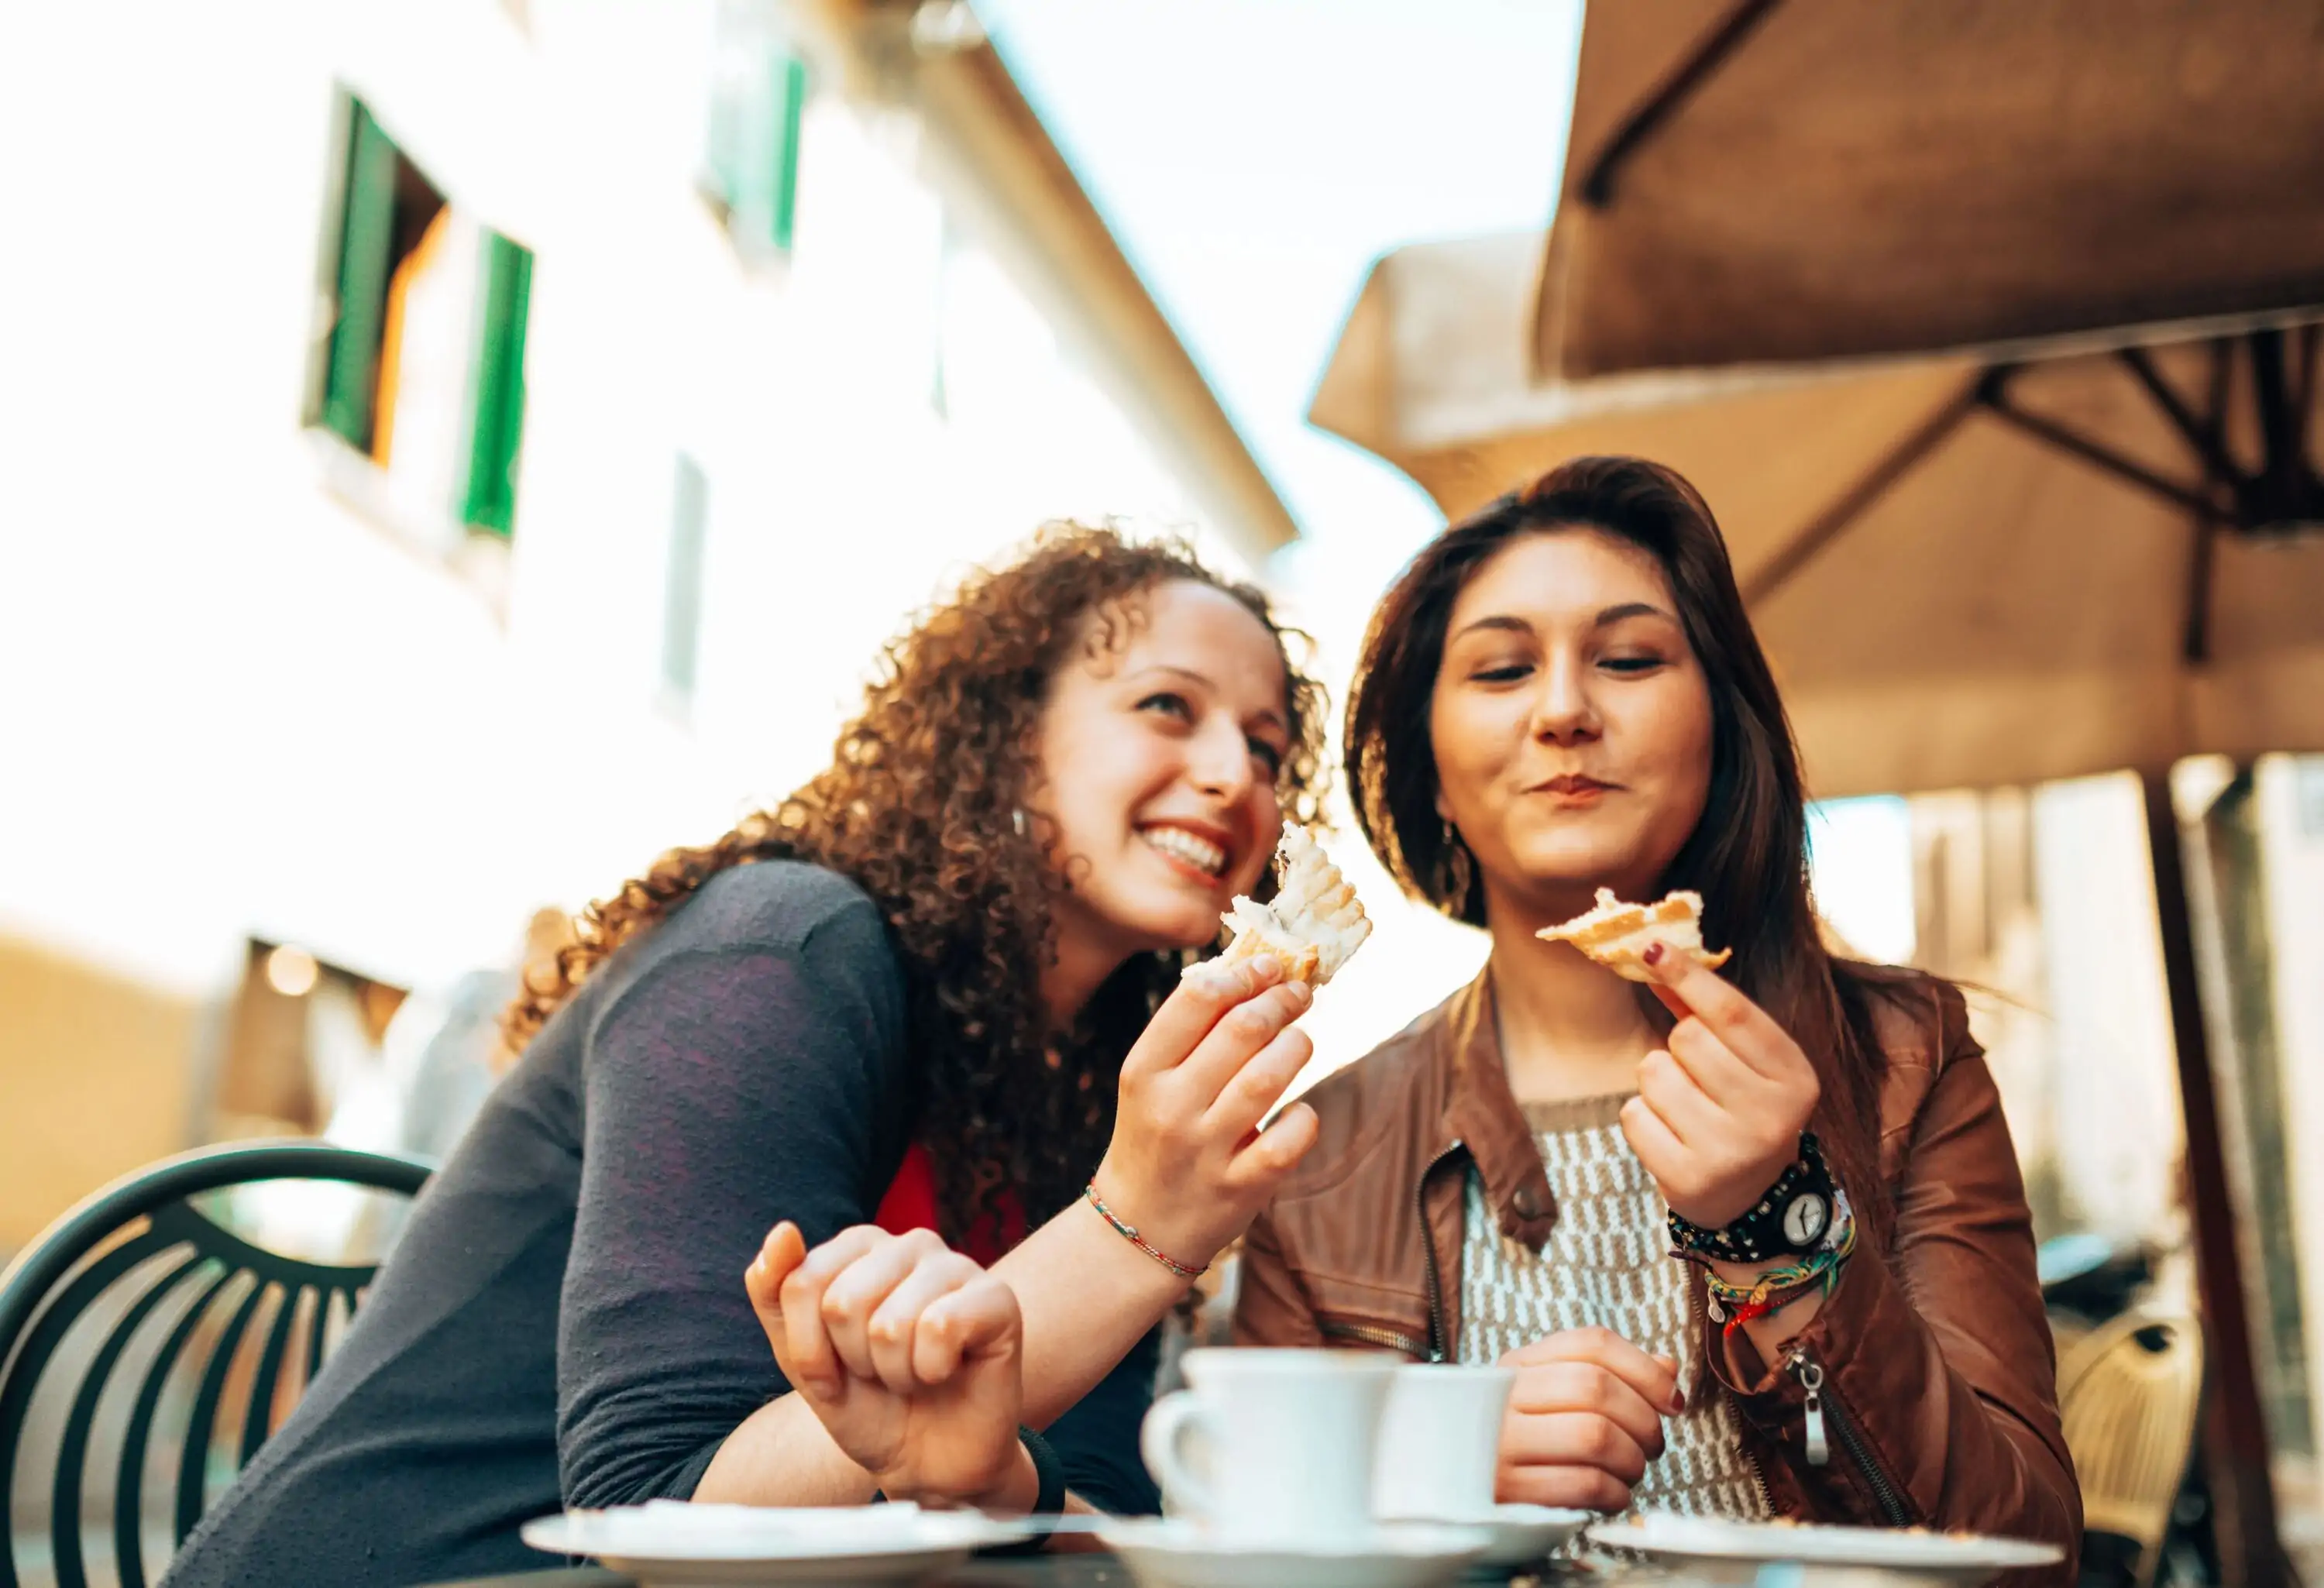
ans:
(2235, 1429)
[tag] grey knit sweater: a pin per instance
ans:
(1606, 1263)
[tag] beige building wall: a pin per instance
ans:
(97, 1077)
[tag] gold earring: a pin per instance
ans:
(1458, 872)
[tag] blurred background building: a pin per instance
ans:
(456, 451)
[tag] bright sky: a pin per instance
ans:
(1255, 156)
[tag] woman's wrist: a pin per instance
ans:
(1746, 1276)
(1771, 1301)
(1088, 1295)
(1785, 1212)
(1013, 1485)
(1180, 1247)
(1018, 1488)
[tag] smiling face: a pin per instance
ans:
(1572, 722)
(1157, 763)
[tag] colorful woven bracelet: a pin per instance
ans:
(1129, 1231)
(1733, 1305)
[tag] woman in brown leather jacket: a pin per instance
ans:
(1563, 694)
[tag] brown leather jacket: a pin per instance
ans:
(1939, 1388)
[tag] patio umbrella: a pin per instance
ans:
(1784, 179)
(2037, 561)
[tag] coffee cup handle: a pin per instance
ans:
(1160, 1440)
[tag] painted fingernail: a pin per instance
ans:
(1678, 1400)
(1653, 954)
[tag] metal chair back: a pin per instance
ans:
(139, 1260)
(2129, 1393)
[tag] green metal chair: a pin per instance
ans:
(137, 1249)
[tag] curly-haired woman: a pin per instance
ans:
(910, 995)
(1606, 1185)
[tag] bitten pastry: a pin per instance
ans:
(1312, 925)
(1616, 935)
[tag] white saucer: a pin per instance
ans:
(1700, 1541)
(666, 1544)
(1390, 1555)
(1521, 1533)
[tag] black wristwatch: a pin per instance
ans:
(1049, 1491)
(1794, 1217)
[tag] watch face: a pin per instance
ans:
(1804, 1219)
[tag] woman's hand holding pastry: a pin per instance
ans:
(1721, 1106)
(1187, 1165)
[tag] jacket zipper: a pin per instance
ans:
(1760, 1482)
(1439, 1346)
(1370, 1335)
(1434, 1348)
(1701, 1299)
(1824, 1408)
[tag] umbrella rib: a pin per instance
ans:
(2195, 639)
(2202, 551)
(2067, 439)
(2304, 396)
(1597, 190)
(1829, 525)
(2277, 388)
(2204, 437)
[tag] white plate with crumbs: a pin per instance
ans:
(668, 1544)
(1745, 1546)
(1388, 1555)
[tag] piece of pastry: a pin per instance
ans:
(1616, 935)
(1312, 925)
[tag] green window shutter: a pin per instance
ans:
(366, 241)
(681, 621)
(790, 102)
(499, 387)
(751, 153)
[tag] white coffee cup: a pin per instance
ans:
(1440, 1443)
(1285, 1442)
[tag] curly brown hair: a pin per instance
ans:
(918, 807)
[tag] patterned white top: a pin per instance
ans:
(1607, 1262)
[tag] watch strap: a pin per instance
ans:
(1759, 1234)
(1048, 1495)
(1049, 1498)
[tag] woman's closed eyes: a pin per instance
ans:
(1629, 665)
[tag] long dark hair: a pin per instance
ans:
(1747, 856)
(919, 807)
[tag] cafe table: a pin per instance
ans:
(1070, 1569)
(1076, 1569)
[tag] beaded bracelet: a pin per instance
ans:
(1760, 1234)
(1128, 1233)
(1734, 1305)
